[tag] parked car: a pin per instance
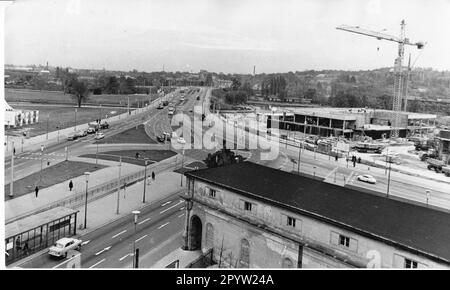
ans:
(161, 138)
(91, 130)
(160, 106)
(366, 178)
(104, 125)
(62, 246)
(168, 136)
(81, 133)
(99, 135)
(72, 137)
(198, 98)
(181, 140)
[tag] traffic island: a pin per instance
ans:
(136, 157)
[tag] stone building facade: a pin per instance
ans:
(302, 229)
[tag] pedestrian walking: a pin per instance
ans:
(36, 190)
(336, 157)
(359, 159)
(153, 175)
(70, 185)
(25, 248)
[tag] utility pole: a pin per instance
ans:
(299, 156)
(118, 185)
(96, 156)
(11, 185)
(42, 156)
(182, 165)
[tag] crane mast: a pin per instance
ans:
(400, 80)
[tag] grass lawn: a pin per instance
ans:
(131, 135)
(48, 97)
(129, 156)
(52, 175)
(61, 116)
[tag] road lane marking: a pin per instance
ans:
(65, 262)
(181, 215)
(85, 243)
(105, 249)
(101, 261)
(147, 219)
(161, 226)
(181, 208)
(119, 234)
(166, 203)
(129, 254)
(161, 212)
(141, 238)
(331, 172)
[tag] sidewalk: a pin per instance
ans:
(29, 202)
(184, 258)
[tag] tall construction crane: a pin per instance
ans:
(400, 77)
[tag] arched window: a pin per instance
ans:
(244, 261)
(209, 236)
(287, 263)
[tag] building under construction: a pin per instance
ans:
(349, 122)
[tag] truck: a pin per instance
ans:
(435, 164)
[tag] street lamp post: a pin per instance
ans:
(314, 171)
(136, 215)
(428, 195)
(145, 180)
(42, 156)
(389, 178)
(182, 165)
(86, 199)
(57, 128)
(96, 156)
(11, 188)
(299, 156)
(76, 118)
(118, 185)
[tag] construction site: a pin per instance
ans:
(396, 136)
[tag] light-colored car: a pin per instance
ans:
(99, 135)
(72, 137)
(367, 178)
(91, 130)
(181, 140)
(64, 245)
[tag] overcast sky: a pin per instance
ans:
(222, 36)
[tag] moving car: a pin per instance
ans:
(99, 135)
(160, 106)
(168, 136)
(181, 140)
(366, 178)
(62, 246)
(161, 138)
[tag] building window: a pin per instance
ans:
(247, 205)
(291, 221)
(344, 241)
(410, 263)
(212, 193)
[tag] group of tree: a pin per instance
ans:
(274, 86)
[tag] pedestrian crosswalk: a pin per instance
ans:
(37, 156)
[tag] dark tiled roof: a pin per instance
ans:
(417, 227)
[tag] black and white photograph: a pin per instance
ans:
(225, 135)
